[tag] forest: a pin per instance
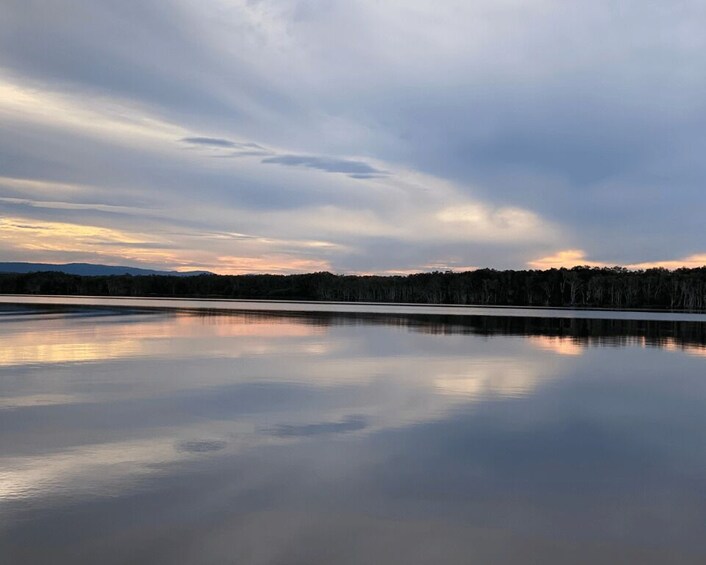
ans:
(587, 287)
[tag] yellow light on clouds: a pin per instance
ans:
(568, 258)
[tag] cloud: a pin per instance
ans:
(484, 222)
(576, 257)
(220, 143)
(208, 141)
(270, 263)
(567, 258)
(354, 169)
(692, 261)
(485, 131)
(226, 148)
(33, 234)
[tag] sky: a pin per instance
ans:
(358, 136)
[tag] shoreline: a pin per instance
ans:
(303, 306)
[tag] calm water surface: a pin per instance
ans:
(134, 436)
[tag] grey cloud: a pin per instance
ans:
(208, 141)
(132, 177)
(354, 169)
(164, 65)
(235, 154)
(218, 142)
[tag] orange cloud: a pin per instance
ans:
(691, 261)
(566, 258)
(37, 234)
(576, 257)
(276, 264)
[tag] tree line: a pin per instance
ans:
(615, 287)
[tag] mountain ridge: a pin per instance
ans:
(90, 269)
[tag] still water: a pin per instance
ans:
(201, 437)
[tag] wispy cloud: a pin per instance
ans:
(352, 168)
(208, 141)
(218, 142)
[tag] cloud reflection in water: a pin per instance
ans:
(522, 437)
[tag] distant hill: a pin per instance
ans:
(89, 269)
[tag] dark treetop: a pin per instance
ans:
(616, 287)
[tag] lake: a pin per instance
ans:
(258, 434)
